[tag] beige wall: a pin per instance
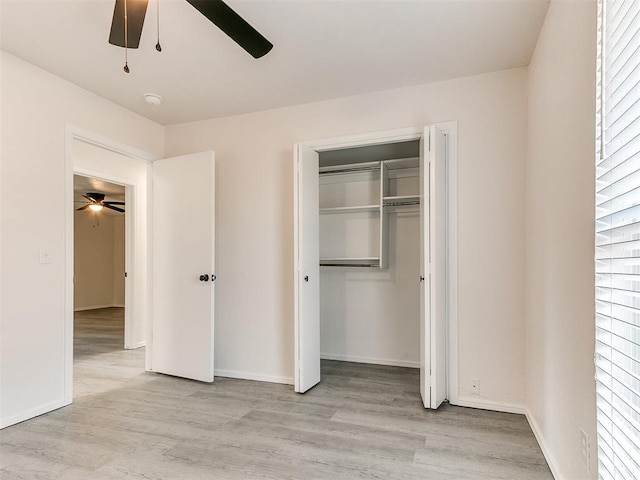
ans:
(254, 232)
(98, 260)
(560, 237)
(118, 260)
(35, 110)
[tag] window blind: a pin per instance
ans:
(618, 239)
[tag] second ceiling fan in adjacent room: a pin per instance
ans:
(97, 203)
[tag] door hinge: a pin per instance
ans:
(125, 274)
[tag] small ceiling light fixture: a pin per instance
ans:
(153, 99)
(96, 207)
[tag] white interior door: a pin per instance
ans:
(183, 236)
(307, 268)
(433, 386)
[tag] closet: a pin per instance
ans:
(370, 254)
(356, 200)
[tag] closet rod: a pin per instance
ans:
(351, 170)
(349, 265)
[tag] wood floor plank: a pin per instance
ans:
(360, 422)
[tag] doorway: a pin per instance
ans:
(99, 253)
(370, 254)
(101, 313)
(368, 248)
(99, 244)
(152, 235)
(116, 166)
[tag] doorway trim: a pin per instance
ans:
(401, 135)
(75, 133)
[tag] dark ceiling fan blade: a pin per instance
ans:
(112, 203)
(84, 207)
(94, 197)
(233, 25)
(121, 210)
(136, 10)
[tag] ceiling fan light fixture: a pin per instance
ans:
(153, 99)
(95, 207)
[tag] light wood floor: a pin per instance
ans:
(361, 422)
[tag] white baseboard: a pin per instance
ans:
(553, 466)
(485, 404)
(253, 376)
(96, 307)
(137, 345)
(375, 361)
(21, 417)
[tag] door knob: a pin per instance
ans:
(204, 278)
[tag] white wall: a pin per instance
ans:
(560, 237)
(254, 306)
(103, 163)
(98, 260)
(370, 315)
(35, 109)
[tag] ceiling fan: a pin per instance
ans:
(128, 19)
(97, 203)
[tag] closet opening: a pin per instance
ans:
(369, 205)
(375, 256)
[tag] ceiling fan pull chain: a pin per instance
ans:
(126, 35)
(158, 47)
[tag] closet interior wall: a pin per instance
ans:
(369, 254)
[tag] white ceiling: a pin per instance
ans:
(323, 49)
(83, 185)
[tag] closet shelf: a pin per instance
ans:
(402, 163)
(354, 209)
(401, 200)
(351, 168)
(350, 262)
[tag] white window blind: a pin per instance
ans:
(618, 239)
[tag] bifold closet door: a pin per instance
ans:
(306, 268)
(433, 253)
(183, 264)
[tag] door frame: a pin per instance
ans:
(401, 135)
(131, 234)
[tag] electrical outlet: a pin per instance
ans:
(585, 449)
(45, 255)
(475, 386)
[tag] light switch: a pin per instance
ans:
(45, 255)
